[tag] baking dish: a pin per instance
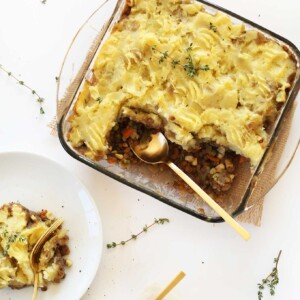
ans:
(145, 178)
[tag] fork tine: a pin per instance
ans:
(37, 247)
(44, 236)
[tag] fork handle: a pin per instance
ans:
(35, 288)
(215, 206)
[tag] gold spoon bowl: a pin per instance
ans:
(156, 151)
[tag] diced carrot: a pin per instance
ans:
(43, 212)
(127, 132)
(214, 159)
(242, 159)
(112, 160)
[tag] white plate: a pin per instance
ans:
(39, 183)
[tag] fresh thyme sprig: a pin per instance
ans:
(189, 67)
(135, 236)
(271, 280)
(39, 99)
(11, 238)
(175, 62)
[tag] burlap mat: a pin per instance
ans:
(268, 179)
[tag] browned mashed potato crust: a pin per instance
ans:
(212, 87)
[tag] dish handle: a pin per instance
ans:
(277, 178)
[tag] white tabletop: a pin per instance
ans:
(218, 263)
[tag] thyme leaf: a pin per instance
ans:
(204, 68)
(190, 47)
(175, 62)
(163, 57)
(153, 48)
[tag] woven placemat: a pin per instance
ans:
(268, 178)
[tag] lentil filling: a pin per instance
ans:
(211, 166)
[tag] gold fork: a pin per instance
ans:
(36, 249)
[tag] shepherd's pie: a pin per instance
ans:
(20, 229)
(198, 77)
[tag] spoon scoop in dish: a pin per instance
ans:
(156, 151)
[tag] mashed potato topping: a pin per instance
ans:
(201, 77)
(20, 229)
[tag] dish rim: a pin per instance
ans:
(258, 169)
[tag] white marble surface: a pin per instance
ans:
(219, 265)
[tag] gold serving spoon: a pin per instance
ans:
(36, 251)
(156, 151)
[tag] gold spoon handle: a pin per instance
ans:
(170, 286)
(35, 288)
(215, 206)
